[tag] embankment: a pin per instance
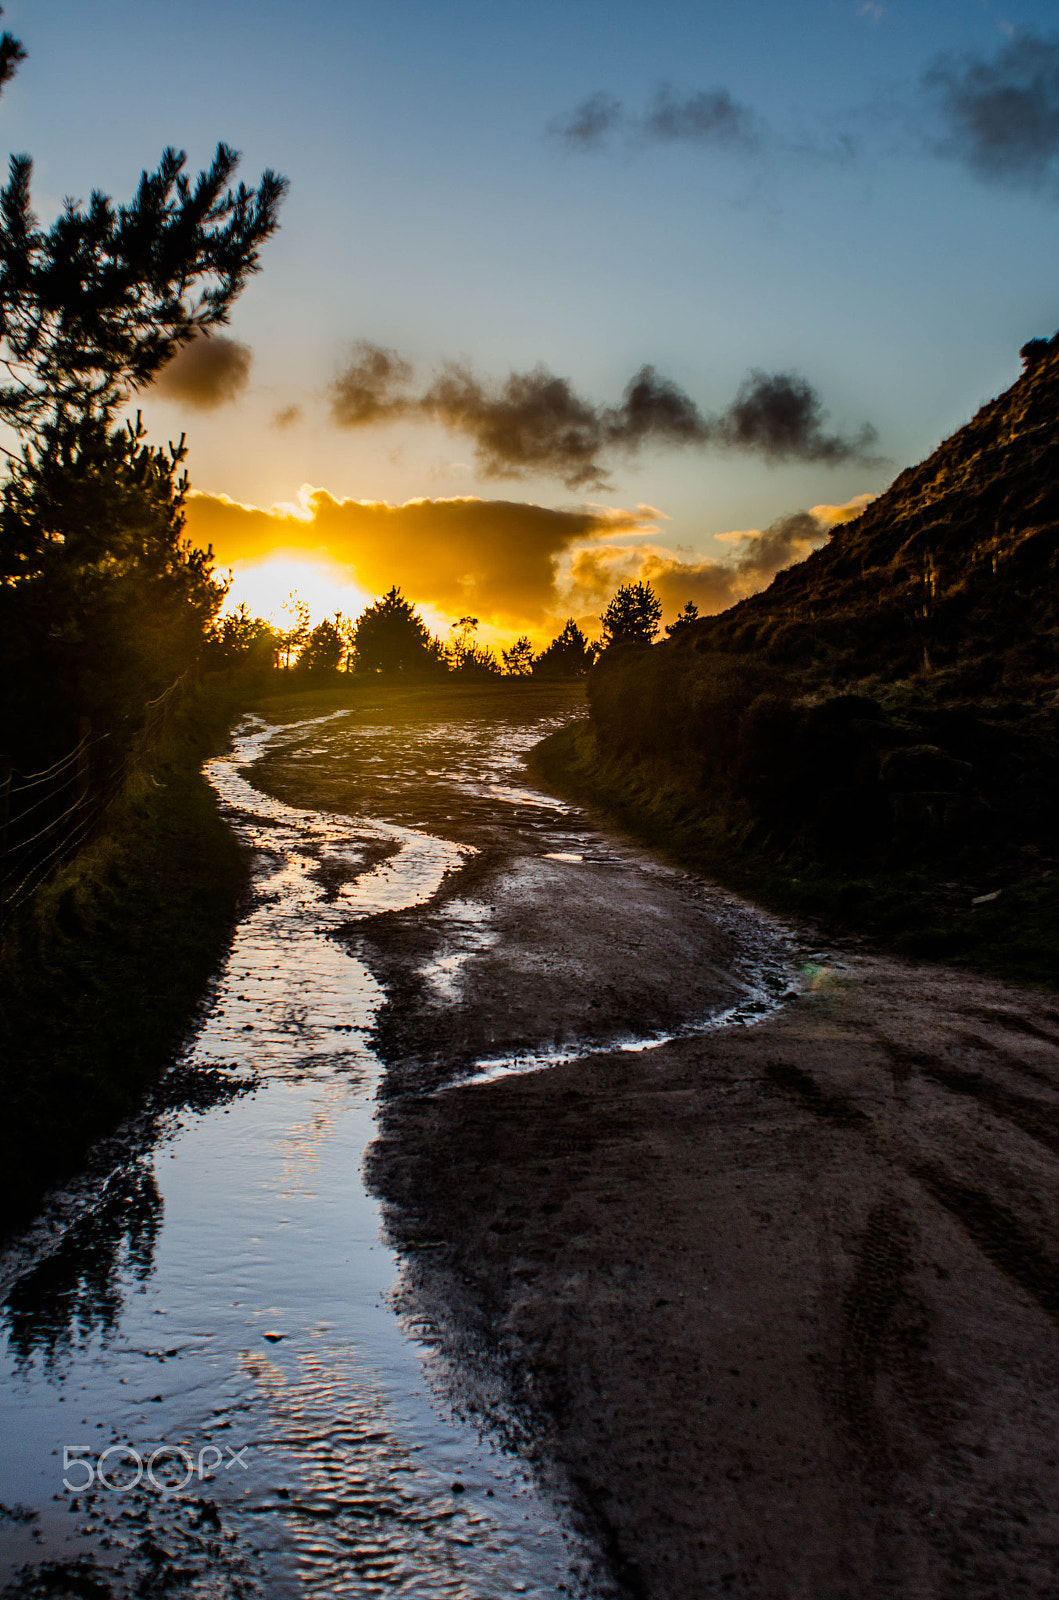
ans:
(912, 906)
(104, 968)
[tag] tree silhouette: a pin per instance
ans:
(11, 53)
(93, 308)
(568, 656)
(293, 638)
(465, 656)
(390, 636)
(689, 615)
(322, 650)
(103, 602)
(518, 661)
(241, 638)
(632, 616)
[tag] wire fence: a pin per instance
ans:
(46, 817)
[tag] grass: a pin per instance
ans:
(1015, 936)
(105, 968)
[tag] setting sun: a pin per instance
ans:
(266, 586)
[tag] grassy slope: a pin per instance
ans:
(104, 971)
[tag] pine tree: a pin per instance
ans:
(632, 617)
(93, 308)
(518, 661)
(689, 615)
(568, 656)
(390, 636)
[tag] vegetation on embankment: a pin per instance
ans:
(105, 967)
(913, 909)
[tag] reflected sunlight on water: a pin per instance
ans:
(233, 1290)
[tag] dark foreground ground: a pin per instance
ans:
(782, 1303)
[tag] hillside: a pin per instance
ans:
(887, 711)
(954, 566)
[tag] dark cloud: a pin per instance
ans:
(780, 545)
(287, 416)
(1001, 114)
(368, 389)
(704, 117)
(780, 415)
(589, 124)
(535, 422)
(655, 408)
(206, 373)
(596, 569)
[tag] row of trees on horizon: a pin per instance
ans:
(390, 637)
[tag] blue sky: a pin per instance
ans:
(843, 228)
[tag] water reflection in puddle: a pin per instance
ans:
(227, 1296)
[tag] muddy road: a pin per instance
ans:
(782, 1302)
(206, 1384)
(547, 1222)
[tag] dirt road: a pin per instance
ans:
(782, 1303)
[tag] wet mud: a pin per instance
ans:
(204, 1386)
(691, 1258)
(779, 1302)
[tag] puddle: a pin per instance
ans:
(228, 1302)
(225, 1299)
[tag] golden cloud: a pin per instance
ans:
(497, 558)
(595, 572)
(514, 565)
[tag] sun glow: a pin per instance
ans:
(265, 587)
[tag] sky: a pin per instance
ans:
(571, 293)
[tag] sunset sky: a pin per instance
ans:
(824, 229)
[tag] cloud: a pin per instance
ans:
(995, 114)
(830, 517)
(654, 408)
(497, 558)
(713, 585)
(587, 126)
(781, 416)
(1001, 114)
(517, 566)
(535, 422)
(287, 416)
(207, 373)
(716, 585)
(369, 388)
(704, 117)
